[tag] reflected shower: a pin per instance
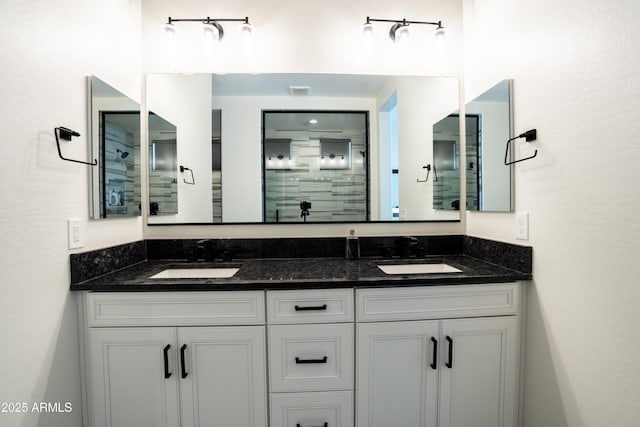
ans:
(123, 154)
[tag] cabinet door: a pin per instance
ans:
(396, 374)
(223, 383)
(478, 377)
(129, 374)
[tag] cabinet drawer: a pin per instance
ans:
(174, 308)
(311, 357)
(310, 306)
(334, 409)
(436, 302)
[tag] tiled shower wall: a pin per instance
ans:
(122, 176)
(335, 195)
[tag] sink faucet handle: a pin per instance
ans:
(205, 250)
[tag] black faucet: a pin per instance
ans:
(202, 250)
(226, 250)
(407, 247)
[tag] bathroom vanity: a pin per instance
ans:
(304, 342)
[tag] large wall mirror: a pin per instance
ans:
(489, 185)
(253, 148)
(114, 125)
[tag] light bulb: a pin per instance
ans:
(367, 30)
(440, 36)
(170, 29)
(246, 30)
(402, 34)
(170, 39)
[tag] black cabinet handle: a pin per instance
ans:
(449, 364)
(165, 353)
(434, 362)
(311, 308)
(183, 369)
(324, 425)
(323, 360)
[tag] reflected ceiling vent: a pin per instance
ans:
(299, 90)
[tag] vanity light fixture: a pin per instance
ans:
(211, 26)
(399, 30)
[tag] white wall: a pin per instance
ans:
(576, 71)
(48, 49)
(296, 37)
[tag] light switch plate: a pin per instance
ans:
(522, 225)
(76, 233)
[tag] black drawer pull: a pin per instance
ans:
(311, 308)
(165, 353)
(434, 362)
(449, 364)
(323, 360)
(324, 425)
(182, 361)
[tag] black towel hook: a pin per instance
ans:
(529, 136)
(66, 134)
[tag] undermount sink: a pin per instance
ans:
(196, 273)
(418, 268)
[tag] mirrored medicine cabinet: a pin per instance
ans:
(114, 128)
(488, 123)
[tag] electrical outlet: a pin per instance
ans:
(522, 225)
(76, 233)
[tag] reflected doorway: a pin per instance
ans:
(388, 143)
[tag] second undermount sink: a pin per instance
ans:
(196, 273)
(418, 268)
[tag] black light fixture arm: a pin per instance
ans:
(208, 20)
(404, 21)
(67, 134)
(529, 136)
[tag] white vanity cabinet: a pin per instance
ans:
(175, 359)
(415, 356)
(445, 356)
(311, 357)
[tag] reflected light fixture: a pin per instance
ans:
(399, 30)
(211, 26)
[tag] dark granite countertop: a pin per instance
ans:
(300, 273)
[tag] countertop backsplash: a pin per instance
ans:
(289, 262)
